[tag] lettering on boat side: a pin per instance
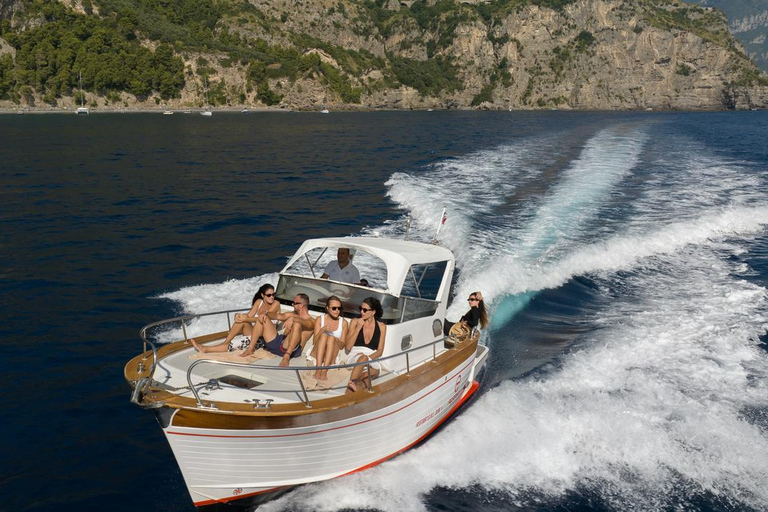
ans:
(428, 417)
(237, 491)
(458, 389)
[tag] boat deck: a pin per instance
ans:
(220, 379)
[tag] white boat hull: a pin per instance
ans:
(226, 465)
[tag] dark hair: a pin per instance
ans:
(374, 303)
(304, 298)
(260, 293)
(483, 313)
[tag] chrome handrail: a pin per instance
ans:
(181, 319)
(307, 402)
(185, 317)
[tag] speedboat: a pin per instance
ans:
(247, 432)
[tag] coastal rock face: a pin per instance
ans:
(586, 54)
(748, 21)
(627, 64)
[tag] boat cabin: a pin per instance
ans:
(411, 280)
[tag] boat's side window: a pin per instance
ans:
(424, 280)
(422, 288)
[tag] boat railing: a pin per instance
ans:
(251, 366)
(181, 320)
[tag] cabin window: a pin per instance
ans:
(424, 280)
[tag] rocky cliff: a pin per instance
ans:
(748, 21)
(300, 54)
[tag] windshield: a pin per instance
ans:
(314, 263)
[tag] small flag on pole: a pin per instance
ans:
(443, 218)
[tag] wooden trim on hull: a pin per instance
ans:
(269, 494)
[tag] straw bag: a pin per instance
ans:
(459, 332)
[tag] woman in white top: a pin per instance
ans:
(330, 330)
(264, 304)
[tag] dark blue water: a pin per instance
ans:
(624, 256)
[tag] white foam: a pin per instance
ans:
(206, 298)
(500, 268)
(653, 410)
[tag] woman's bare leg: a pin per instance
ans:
(235, 330)
(357, 371)
(321, 346)
(332, 347)
(221, 347)
(257, 331)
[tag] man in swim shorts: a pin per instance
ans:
(299, 326)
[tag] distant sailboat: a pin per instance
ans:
(82, 109)
(207, 111)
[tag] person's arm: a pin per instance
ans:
(326, 272)
(354, 329)
(355, 273)
(472, 318)
(273, 310)
(250, 316)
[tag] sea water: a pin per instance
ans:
(623, 257)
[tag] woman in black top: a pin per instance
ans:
(365, 341)
(476, 316)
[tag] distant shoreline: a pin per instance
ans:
(338, 108)
(102, 110)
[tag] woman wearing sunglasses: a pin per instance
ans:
(330, 331)
(471, 319)
(365, 342)
(262, 305)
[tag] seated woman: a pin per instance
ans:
(365, 341)
(472, 318)
(263, 304)
(330, 333)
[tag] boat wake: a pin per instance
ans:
(662, 401)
